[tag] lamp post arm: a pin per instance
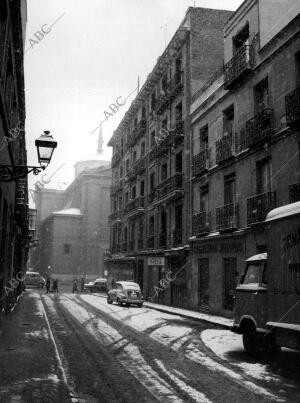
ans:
(10, 173)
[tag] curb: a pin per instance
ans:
(186, 316)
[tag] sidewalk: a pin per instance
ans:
(225, 323)
(29, 371)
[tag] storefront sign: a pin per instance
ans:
(156, 261)
(224, 247)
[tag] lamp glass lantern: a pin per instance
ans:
(45, 146)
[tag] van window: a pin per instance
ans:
(254, 274)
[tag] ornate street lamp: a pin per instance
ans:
(45, 146)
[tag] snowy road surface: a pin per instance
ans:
(120, 354)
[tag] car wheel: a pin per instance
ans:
(140, 305)
(119, 302)
(109, 301)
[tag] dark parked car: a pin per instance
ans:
(125, 292)
(99, 285)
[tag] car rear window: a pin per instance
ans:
(132, 287)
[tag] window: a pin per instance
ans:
(178, 72)
(134, 155)
(152, 139)
(151, 225)
(203, 134)
(228, 120)
(164, 171)
(133, 192)
(164, 83)
(178, 217)
(204, 198)
(127, 166)
(135, 123)
(178, 162)
(66, 249)
(261, 96)
(152, 182)
(120, 203)
(153, 101)
(141, 228)
(126, 197)
(263, 176)
(178, 112)
(115, 205)
(229, 189)
(240, 38)
(143, 113)
(143, 148)
(255, 274)
(142, 188)
(121, 171)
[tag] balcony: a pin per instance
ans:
(138, 167)
(292, 107)
(260, 127)
(238, 67)
(151, 242)
(227, 217)
(115, 159)
(224, 148)
(258, 207)
(294, 191)
(201, 162)
(201, 223)
(177, 237)
(135, 206)
(116, 215)
(170, 188)
(173, 88)
(137, 132)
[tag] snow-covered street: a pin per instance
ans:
(142, 355)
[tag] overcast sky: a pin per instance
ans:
(93, 54)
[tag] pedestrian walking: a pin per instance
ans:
(82, 285)
(55, 285)
(75, 287)
(48, 286)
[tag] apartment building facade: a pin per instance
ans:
(14, 213)
(150, 194)
(245, 128)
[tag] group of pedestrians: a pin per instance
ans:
(54, 285)
(75, 285)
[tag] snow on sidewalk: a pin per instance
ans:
(217, 320)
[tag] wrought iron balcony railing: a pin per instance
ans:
(224, 148)
(169, 185)
(201, 223)
(258, 207)
(294, 192)
(115, 159)
(173, 88)
(238, 66)
(116, 215)
(201, 162)
(292, 107)
(137, 132)
(260, 127)
(177, 237)
(227, 217)
(135, 204)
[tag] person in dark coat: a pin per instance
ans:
(82, 284)
(55, 285)
(75, 287)
(48, 286)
